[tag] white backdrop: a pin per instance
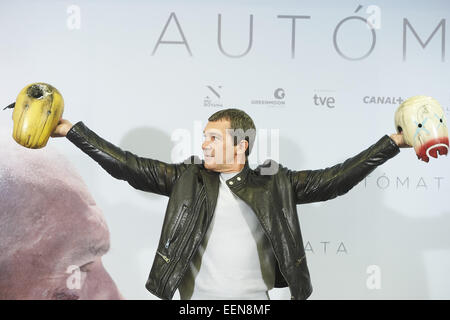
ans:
(330, 87)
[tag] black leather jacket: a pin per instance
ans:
(193, 191)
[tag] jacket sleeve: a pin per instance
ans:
(324, 184)
(141, 173)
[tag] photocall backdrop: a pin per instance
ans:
(321, 79)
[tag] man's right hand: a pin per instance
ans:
(62, 128)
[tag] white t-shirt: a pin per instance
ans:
(235, 259)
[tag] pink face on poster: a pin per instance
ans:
(424, 126)
(52, 233)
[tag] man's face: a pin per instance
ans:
(218, 147)
(52, 233)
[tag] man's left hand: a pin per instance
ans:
(398, 139)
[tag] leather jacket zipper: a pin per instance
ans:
(175, 229)
(177, 224)
(193, 252)
(273, 248)
(170, 268)
(299, 261)
(166, 259)
(289, 226)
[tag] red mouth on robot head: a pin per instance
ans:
(432, 148)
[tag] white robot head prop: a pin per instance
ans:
(422, 121)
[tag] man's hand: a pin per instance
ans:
(398, 139)
(61, 129)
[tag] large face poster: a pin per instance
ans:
(322, 82)
(53, 234)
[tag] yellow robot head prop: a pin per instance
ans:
(37, 111)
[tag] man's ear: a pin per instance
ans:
(242, 146)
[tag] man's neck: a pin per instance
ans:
(234, 169)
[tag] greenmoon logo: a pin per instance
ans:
(279, 93)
